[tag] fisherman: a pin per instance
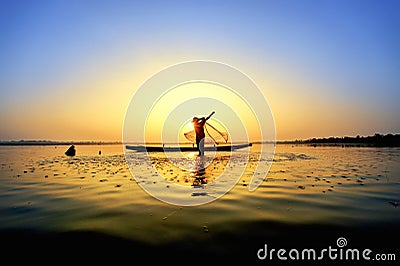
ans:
(198, 124)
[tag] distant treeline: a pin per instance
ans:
(377, 140)
(49, 142)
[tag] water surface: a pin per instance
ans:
(311, 196)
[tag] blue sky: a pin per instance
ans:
(326, 67)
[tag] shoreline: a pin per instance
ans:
(55, 143)
(297, 143)
(377, 140)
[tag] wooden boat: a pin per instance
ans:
(154, 148)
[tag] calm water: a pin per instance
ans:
(307, 192)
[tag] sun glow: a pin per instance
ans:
(173, 112)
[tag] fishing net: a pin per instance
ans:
(213, 133)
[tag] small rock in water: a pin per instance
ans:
(71, 151)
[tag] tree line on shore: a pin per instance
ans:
(376, 140)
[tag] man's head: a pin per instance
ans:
(195, 119)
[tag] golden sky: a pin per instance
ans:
(68, 72)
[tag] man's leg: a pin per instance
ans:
(198, 146)
(201, 148)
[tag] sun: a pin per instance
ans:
(190, 126)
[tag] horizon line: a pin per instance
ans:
(71, 142)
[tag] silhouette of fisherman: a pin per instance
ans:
(198, 124)
(71, 151)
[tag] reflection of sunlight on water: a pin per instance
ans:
(183, 170)
(191, 155)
